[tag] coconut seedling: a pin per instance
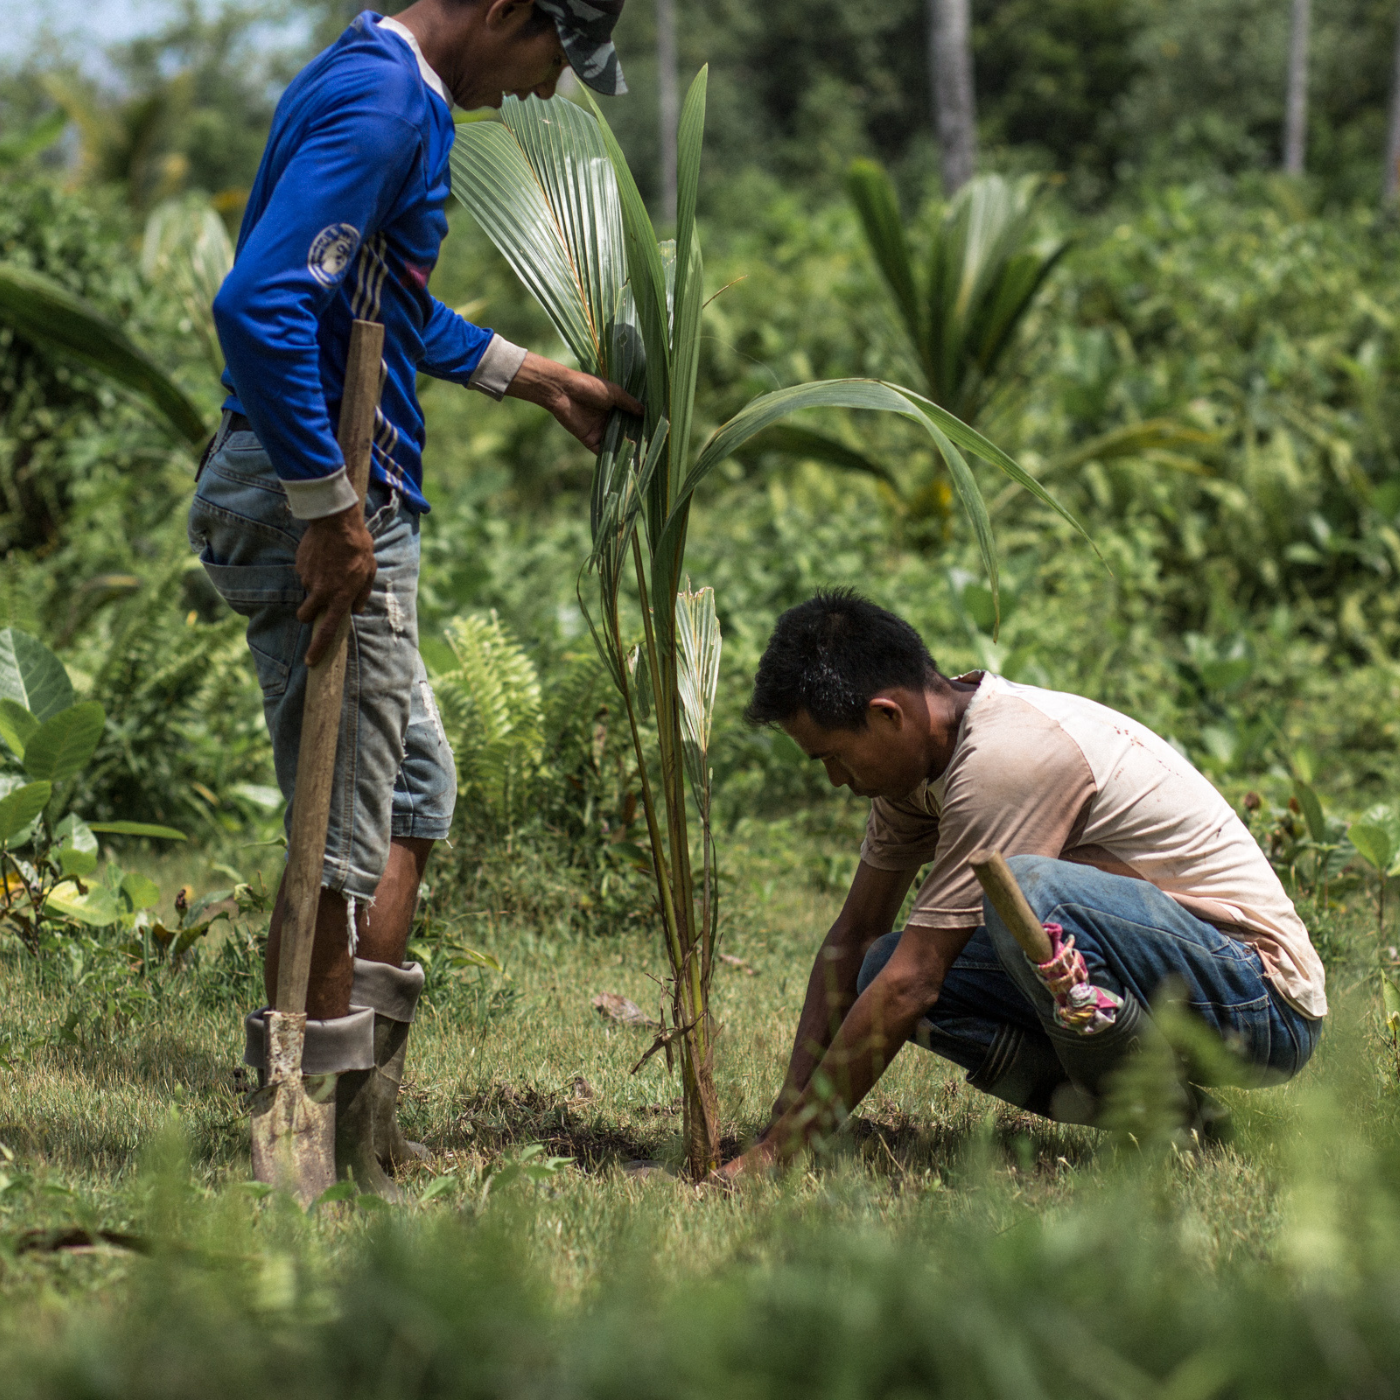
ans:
(550, 186)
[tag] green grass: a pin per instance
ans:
(935, 1198)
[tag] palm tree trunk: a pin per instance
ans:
(1391, 182)
(1295, 136)
(668, 100)
(954, 104)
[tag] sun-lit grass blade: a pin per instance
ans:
(49, 315)
(21, 806)
(872, 191)
(32, 676)
(62, 745)
(494, 180)
(17, 726)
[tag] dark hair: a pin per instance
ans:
(830, 656)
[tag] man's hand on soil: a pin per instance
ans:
(335, 562)
(581, 402)
(761, 1158)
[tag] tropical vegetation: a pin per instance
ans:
(1198, 357)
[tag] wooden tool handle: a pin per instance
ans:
(1001, 888)
(325, 694)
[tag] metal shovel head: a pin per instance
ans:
(293, 1131)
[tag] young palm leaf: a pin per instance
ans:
(629, 308)
(51, 316)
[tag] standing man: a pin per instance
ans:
(345, 221)
(1112, 834)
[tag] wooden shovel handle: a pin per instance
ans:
(325, 694)
(1001, 888)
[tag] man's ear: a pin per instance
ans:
(890, 712)
(508, 14)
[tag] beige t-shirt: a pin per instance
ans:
(1039, 772)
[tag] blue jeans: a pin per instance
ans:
(394, 772)
(1134, 939)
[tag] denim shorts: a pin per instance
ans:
(394, 772)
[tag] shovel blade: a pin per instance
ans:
(293, 1131)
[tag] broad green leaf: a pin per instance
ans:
(75, 832)
(438, 1186)
(17, 726)
(140, 891)
(62, 745)
(1390, 994)
(1374, 844)
(33, 139)
(1312, 810)
(97, 908)
(167, 833)
(32, 676)
(872, 191)
(21, 806)
(75, 862)
(49, 315)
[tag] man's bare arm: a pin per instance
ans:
(882, 1018)
(871, 907)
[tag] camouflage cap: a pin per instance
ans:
(585, 30)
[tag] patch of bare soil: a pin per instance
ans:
(502, 1115)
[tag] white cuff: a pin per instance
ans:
(497, 367)
(322, 496)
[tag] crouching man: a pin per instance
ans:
(1111, 833)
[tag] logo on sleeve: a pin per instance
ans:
(331, 251)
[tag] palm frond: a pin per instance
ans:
(697, 629)
(872, 192)
(49, 315)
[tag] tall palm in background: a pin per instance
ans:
(962, 308)
(549, 185)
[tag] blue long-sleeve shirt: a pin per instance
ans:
(345, 220)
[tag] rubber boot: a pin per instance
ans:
(356, 1109)
(331, 1047)
(1091, 1060)
(343, 1048)
(1022, 1068)
(392, 994)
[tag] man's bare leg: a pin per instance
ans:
(383, 931)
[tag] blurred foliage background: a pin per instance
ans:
(1207, 376)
